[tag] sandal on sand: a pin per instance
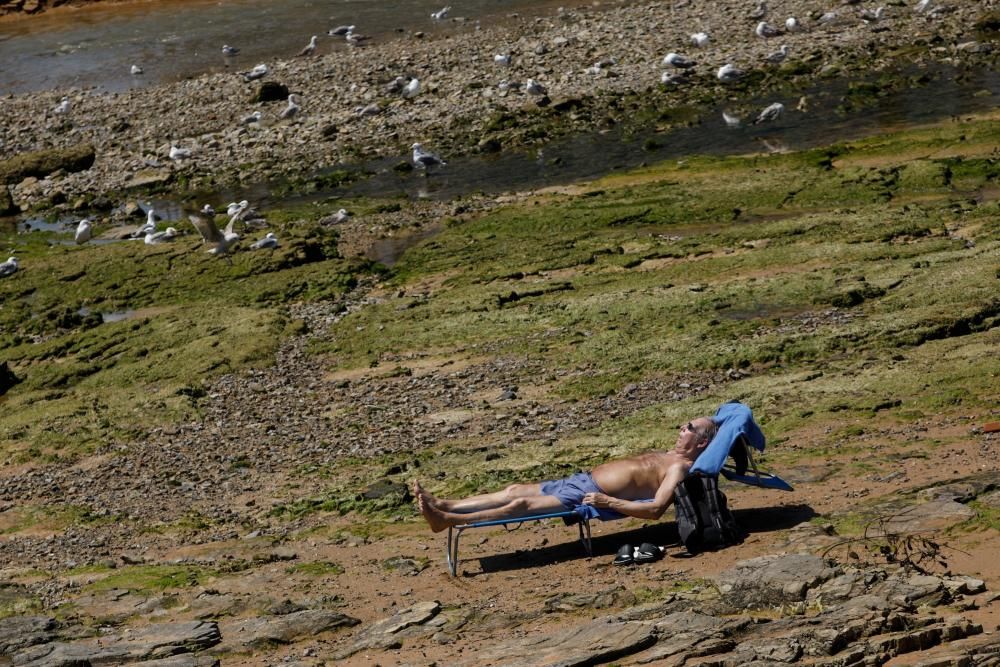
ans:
(624, 556)
(647, 553)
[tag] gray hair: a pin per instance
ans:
(709, 432)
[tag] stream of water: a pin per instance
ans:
(170, 40)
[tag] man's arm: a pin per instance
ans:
(640, 509)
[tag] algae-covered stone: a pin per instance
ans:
(7, 205)
(42, 163)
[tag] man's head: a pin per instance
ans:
(695, 436)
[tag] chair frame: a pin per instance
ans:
(455, 532)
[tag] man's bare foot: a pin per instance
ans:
(435, 517)
(429, 497)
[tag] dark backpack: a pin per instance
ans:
(704, 521)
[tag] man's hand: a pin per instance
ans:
(597, 500)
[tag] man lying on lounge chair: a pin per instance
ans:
(640, 486)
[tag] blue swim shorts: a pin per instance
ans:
(570, 491)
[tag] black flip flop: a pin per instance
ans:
(647, 553)
(624, 556)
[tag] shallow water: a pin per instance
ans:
(96, 46)
(592, 155)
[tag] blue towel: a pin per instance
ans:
(734, 419)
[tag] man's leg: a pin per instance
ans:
(518, 507)
(481, 502)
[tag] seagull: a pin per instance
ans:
(760, 11)
(340, 30)
(532, 87)
(502, 59)
(268, 242)
(229, 50)
(441, 13)
(136, 69)
(256, 73)
(766, 30)
(308, 49)
(179, 153)
(731, 121)
(210, 233)
(671, 79)
(729, 73)
(700, 39)
(292, 108)
(827, 17)
(153, 238)
(63, 106)
(148, 227)
(83, 232)
(792, 24)
(9, 267)
(411, 89)
(772, 112)
(340, 216)
(372, 109)
(233, 207)
(677, 60)
(869, 16)
(778, 56)
(355, 38)
(252, 118)
(208, 211)
(922, 6)
(425, 160)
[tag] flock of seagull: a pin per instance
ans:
(678, 67)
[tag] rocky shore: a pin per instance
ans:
(349, 116)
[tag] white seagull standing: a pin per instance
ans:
(252, 118)
(63, 106)
(136, 69)
(532, 87)
(729, 73)
(309, 48)
(792, 24)
(771, 112)
(234, 208)
(208, 211)
(411, 89)
(256, 73)
(148, 227)
(83, 232)
(229, 50)
(293, 107)
(502, 59)
(778, 56)
(177, 153)
(222, 241)
(340, 216)
(425, 160)
(441, 13)
(9, 267)
(268, 242)
(677, 60)
(760, 11)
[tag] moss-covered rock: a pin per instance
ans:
(42, 163)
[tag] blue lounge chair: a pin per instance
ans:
(737, 437)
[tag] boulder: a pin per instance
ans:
(387, 632)
(285, 629)
(270, 91)
(7, 205)
(20, 632)
(40, 164)
(7, 380)
(773, 580)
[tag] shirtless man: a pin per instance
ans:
(616, 485)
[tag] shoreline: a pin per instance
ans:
(349, 117)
